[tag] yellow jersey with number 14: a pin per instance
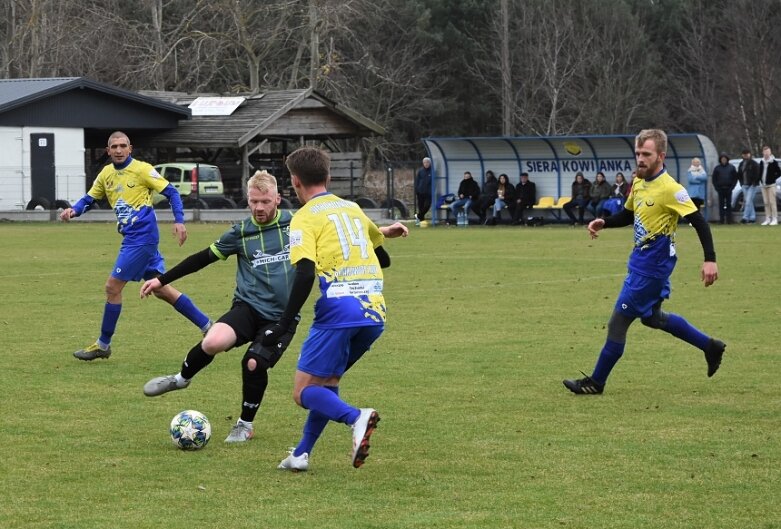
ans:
(339, 238)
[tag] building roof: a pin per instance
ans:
(277, 113)
(16, 93)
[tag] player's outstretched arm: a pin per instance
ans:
(149, 286)
(594, 226)
(67, 214)
(397, 229)
(83, 204)
(189, 265)
(709, 273)
(180, 232)
(710, 270)
(177, 208)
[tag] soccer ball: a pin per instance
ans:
(190, 430)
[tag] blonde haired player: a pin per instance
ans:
(263, 280)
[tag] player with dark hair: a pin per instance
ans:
(128, 184)
(331, 239)
(263, 280)
(654, 206)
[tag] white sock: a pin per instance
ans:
(245, 423)
(180, 380)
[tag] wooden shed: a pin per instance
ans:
(261, 130)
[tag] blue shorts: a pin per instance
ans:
(640, 294)
(331, 352)
(135, 263)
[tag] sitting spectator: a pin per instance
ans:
(617, 196)
(697, 180)
(580, 199)
(620, 187)
(505, 193)
(600, 192)
(525, 198)
(488, 195)
(468, 192)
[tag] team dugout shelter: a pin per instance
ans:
(553, 161)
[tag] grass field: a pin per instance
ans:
(477, 429)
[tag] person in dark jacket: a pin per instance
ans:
(600, 193)
(468, 193)
(525, 198)
(724, 178)
(488, 196)
(581, 197)
(748, 176)
(423, 190)
(770, 171)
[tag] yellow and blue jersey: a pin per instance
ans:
(657, 204)
(129, 192)
(339, 238)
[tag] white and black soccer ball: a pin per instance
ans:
(190, 430)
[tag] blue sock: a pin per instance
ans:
(188, 309)
(326, 402)
(313, 427)
(680, 328)
(610, 355)
(111, 314)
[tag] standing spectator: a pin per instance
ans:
(127, 184)
(748, 176)
(505, 193)
(423, 190)
(661, 203)
(468, 193)
(724, 178)
(488, 196)
(525, 198)
(600, 192)
(697, 180)
(770, 171)
(580, 198)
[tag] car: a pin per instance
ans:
(199, 185)
(759, 204)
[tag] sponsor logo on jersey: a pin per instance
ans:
(296, 238)
(260, 258)
(682, 196)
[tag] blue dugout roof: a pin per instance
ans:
(552, 161)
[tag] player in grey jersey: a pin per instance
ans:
(263, 280)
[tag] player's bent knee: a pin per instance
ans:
(297, 397)
(260, 356)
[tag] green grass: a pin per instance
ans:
(476, 431)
